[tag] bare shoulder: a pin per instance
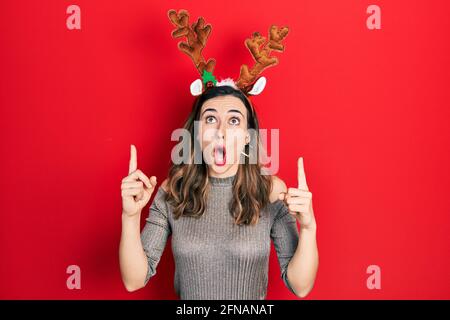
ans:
(278, 186)
(164, 185)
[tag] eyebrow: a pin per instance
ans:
(214, 110)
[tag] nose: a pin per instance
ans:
(220, 133)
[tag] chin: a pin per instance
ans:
(219, 169)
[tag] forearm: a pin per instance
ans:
(302, 268)
(133, 261)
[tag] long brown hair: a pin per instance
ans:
(188, 183)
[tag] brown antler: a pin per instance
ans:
(261, 55)
(196, 35)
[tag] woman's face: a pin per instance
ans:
(223, 134)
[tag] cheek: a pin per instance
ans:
(205, 135)
(236, 139)
(208, 135)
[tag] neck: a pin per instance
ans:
(224, 181)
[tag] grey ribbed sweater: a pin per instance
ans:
(215, 259)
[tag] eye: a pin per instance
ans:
(210, 119)
(235, 121)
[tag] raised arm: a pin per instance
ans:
(302, 268)
(136, 190)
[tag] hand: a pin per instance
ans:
(136, 188)
(299, 200)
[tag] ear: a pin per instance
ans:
(196, 87)
(258, 87)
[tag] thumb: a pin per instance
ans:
(153, 181)
(149, 191)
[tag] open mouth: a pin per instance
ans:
(219, 155)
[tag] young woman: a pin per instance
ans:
(221, 214)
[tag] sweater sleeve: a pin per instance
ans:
(285, 236)
(155, 232)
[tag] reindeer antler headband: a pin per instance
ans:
(249, 80)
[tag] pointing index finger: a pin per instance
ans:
(301, 175)
(133, 159)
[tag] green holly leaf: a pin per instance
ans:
(208, 76)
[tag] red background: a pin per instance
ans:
(367, 109)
